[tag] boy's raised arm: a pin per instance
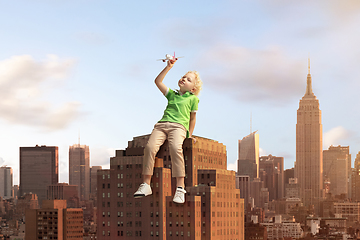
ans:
(159, 79)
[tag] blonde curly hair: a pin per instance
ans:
(198, 82)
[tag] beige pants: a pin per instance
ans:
(175, 133)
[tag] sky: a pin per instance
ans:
(71, 68)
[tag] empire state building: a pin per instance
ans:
(309, 156)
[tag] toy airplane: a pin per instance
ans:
(169, 57)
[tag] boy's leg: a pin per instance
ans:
(176, 137)
(147, 179)
(156, 139)
(180, 182)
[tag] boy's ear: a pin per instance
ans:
(193, 90)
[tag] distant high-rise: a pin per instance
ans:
(336, 161)
(64, 191)
(6, 182)
(355, 179)
(243, 183)
(93, 183)
(273, 175)
(309, 155)
(38, 170)
(79, 169)
(248, 162)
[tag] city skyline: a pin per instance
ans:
(61, 76)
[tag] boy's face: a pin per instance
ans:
(187, 83)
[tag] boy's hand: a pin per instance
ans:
(171, 63)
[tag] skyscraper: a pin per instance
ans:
(79, 169)
(213, 207)
(336, 161)
(272, 169)
(248, 162)
(6, 182)
(93, 182)
(355, 179)
(38, 170)
(309, 155)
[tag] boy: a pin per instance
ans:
(177, 123)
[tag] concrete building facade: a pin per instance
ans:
(243, 183)
(309, 157)
(336, 169)
(38, 170)
(6, 182)
(64, 191)
(54, 221)
(355, 179)
(272, 174)
(349, 210)
(93, 183)
(210, 200)
(248, 156)
(79, 169)
(280, 229)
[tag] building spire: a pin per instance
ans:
(308, 83)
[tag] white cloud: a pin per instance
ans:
(266, 75)
(262, 152)
(232, 166)
(335, 136)
(23, 82)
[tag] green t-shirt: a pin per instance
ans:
(179, 107)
